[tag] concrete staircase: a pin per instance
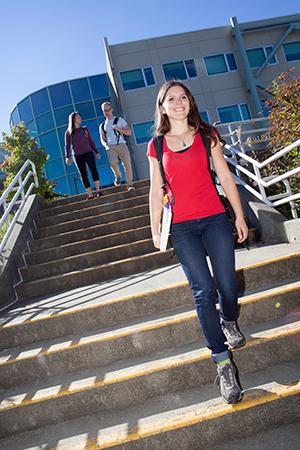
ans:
(122, 364)
(80, 242)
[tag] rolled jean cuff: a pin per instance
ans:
(218, 357)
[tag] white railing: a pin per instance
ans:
(19, 199)
(238, 159)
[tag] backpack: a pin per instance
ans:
(117, 133)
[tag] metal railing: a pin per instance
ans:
(16, 204)
(240, 161)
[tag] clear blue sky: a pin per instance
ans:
(44, 42)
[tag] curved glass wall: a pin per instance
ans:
(45, 114)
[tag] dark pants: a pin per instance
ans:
(87, 159)
(193, 240)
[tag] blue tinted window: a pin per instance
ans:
(15, 116)
(268, 51)
(25, 110)
(40, 102)
(32, 128)
(50, 144)
(245, 111)
(55, 169)
(191, 68)
(231, 61)
(80, 90)
(149, 76)
(62, 186)
(60, 95)
(229, 114)
(256, 57)
(45, 122)
(204, 116)
(292, 51)
(143, 131)
(86, 110)
(99, 86)
(215, 64)
(61, 135)
(132, 79)
(234, 113)
(62, 115)
(174, 71)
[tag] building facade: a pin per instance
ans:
(227, 69)
(45, 114)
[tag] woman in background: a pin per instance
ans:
(84, 151)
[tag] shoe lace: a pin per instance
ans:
(225, 376)
(231, 329)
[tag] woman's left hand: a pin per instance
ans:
(98, 156)
(242, 229)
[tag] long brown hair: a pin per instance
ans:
(71, 125)
(162, 124)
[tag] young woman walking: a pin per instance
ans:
(199, 225)
(84, 150)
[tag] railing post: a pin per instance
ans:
(292, 204)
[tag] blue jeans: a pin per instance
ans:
(193, 240)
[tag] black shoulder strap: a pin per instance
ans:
(117, 133)
(102, 128)
(158, 146)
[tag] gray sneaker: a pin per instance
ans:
(117, 181)
(235, 338)
(227, 382)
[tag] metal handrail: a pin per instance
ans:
(265, 182)
(22, 192)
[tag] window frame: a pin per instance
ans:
(265, 53)
(226, 63)
(207, 113)
(143, 75)
(240, 111)
(184, 66)
(289, 62)
(139, 123)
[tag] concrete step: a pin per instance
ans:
(176, 420)
(91, 232)
(91, 221)
(94, 208)
(107, 191)
(251, 277)
(86, 260)
(77, 394)
(86, 256)
(96, 274)
(150, 335)
(52, 323)
(88, 245)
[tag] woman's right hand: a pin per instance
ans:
(156, 240)
(68, 161)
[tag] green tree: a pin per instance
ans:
(20, 147)
(285, 125)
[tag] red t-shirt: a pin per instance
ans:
(189, 177)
